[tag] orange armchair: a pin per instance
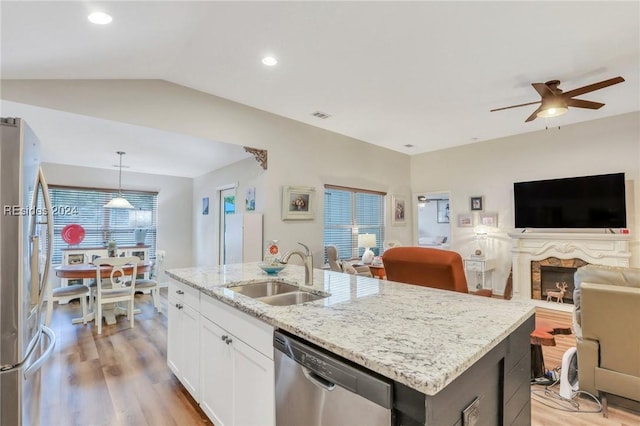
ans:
(427, 267)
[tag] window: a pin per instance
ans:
(85, 206)
(349, 212)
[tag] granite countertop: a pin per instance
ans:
(418, 336)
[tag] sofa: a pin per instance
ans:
(607, 327)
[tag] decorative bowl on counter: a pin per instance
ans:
(271, 268)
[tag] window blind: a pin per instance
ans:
(349, 212)
(85, 207)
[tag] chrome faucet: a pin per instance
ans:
(307, 258)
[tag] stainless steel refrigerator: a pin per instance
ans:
(26, 238)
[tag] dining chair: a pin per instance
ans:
(151, 284)
(69, 292)
(113, 289)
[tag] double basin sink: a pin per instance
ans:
(276, 293)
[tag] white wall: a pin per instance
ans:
(490, 168)
(206, 230)
(299, 154)
(175, 196)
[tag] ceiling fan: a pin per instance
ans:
(555, 102)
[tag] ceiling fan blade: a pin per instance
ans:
(515, 106)
(534, 115)
(592, 87)
(579, 103)
(542, 89)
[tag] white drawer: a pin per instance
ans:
(252, 331)
(474, 266)
(183, 293)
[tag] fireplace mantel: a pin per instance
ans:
(601, 249)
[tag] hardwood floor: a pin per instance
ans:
(117, 378)
(544, 415)
(121, 377)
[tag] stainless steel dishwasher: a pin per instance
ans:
(314, 388)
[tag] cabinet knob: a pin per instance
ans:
(179, 305)
(179, 291)
(224, 337)
(228, 341)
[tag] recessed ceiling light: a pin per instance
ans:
(100, 18)
(269, 61)
(408, 145)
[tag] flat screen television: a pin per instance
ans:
(578, 202)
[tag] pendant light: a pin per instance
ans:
(119, 202)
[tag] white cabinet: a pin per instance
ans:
(479, 266)
(183, 340)
(217, 368)
(243, 238)
(237, 370)
(74, 256)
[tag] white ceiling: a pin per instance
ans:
(388, 73)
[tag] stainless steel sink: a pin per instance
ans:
(276, 293)
(293, 298)
(264, 288)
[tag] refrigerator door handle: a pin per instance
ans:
(47, 205)
(35, 366)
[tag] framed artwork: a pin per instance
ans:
(489, 219)
(443, 211)
(250, 199)
(477, 204)
(399, 210)
(465, 220)
(298, 203)
(205, 205)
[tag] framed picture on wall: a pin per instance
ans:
(298, 203)
(489, 219)
(205, 205)
(465, 220)
(477, 204)
(398, 210)
(443, 211)
(250, 199)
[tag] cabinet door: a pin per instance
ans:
(216, 374)
(173, 336)
(190, 350)
(253, 394)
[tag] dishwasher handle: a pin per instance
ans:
(318, 380)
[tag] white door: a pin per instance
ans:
(254, 398)
(216, 373)
(191, 367)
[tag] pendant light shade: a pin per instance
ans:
(119, 202)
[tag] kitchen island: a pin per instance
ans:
(441, 349)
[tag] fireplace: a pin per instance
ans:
(548, 274)
(533, 250)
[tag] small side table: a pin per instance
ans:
(377, 271)
(479, 265)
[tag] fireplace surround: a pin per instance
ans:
(600, 249)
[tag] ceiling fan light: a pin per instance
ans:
(553, 111)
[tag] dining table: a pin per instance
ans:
(88, 271)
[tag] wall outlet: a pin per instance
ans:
(471, 414)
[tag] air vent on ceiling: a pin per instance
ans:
(320, 114)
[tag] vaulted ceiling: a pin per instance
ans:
(388, 73)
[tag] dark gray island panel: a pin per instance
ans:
(499, 383)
